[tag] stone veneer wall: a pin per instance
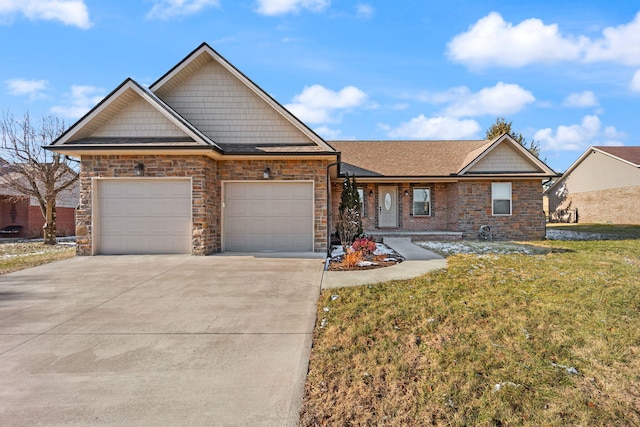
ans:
(527, 221)
(205, 194)
(284, 170)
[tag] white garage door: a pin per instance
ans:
(144, 216)
(268, 216)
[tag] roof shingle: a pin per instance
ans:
(407, 158)
(630, 154)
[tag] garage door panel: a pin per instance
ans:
(144, 216)
(271, 216)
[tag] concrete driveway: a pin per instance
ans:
(157, 340)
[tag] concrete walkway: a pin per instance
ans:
(418, 261)
(157, 340)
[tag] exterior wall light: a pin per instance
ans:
(266, 174)
(138, 170)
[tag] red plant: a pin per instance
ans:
(364, 245)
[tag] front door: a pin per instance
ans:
(388, 206)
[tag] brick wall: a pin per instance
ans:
(281, 170)
(527, 219)
(205, 197)
(207, 176)
(443, 207)
(31, 219)
(615, 206)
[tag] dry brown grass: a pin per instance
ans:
(16, 256)
(431, 351)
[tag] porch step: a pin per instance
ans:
(418, 236)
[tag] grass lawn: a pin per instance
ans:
(620, 231)
(513, 339)
(16, 256)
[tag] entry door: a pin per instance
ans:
(388, 206)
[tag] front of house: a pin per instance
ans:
(205, 161)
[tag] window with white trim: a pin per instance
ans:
(361, 195)
(421, 201)
(501, 198)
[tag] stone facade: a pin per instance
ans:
(207, 176)
(526, 222)
(455, 207)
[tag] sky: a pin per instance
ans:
(566, 73)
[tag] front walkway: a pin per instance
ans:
(418, 261)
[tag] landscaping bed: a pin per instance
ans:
(376, 255)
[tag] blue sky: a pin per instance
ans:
(566, 73)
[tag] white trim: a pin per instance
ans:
(510, 198)
(413, 201)
(286, 114)
(265, 181)
(518, 147)
(95, 196)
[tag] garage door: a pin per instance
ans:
(268, 216)
(144, 216)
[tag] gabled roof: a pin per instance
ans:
(204, 53)
(628, 155)
(443, 159)
(81, 133)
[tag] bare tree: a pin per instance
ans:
(31, 171)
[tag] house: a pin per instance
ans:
(204, 161)
(602, 186)
(21, 216)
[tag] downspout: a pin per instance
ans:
(329, 204)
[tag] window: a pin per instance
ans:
(421, 202)
(361, 195)
(501, 198)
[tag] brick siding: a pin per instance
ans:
(459, 207)
(615, 206)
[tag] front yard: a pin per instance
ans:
(18, 255)
(550, 337)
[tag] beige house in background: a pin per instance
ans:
(603, 186)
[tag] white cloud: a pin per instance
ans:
(330, 134)
(581, 100)
(492, 41)
(165, 9)
(422, 127)
(316, 104)
(81, 100)
(364, 11)
(619, 44)
(69, 12)
(499, 100)
(635, 82)
(21, 87)
(281, 7)
(578, 137)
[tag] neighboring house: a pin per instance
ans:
(21, 216)
(205, 161)
(602, 186)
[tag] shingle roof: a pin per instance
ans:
(630, 154)
(407, 158)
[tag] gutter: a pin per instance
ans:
(329, 204)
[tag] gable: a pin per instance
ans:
(138, 119)
(504, 159)
(599, 171)
(225, 109)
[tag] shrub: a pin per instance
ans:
(351, 258)
(364, 245)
